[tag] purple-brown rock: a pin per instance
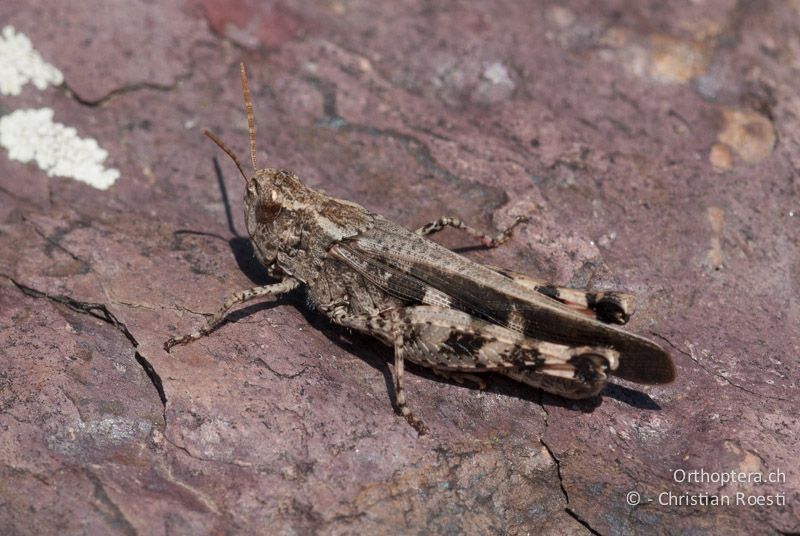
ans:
(656, 147)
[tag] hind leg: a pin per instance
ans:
(461, 377)
(454, 342)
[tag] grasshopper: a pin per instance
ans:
(435, 307)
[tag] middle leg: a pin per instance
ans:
(380, 326)
(486, 240)
(610, 306)
(399, 372)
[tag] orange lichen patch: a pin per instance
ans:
(677, 61)
(750, 462)
(560, 16)
(720, 156)
(701, 29)
(750, 134)
(716, 219)
(662, 57)
(616, 37)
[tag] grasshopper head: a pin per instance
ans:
(271, 203)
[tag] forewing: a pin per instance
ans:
(422, 272)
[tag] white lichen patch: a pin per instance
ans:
(109, 431)
(20, 64)
(31, 135)
(495, 84)
(496, 73)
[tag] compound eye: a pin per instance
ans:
(267, 209)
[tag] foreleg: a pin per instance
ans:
(239, 297)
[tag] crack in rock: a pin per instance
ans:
(100, 311)
(418, 149)
(54, 242)
(568, 509)
(283, 375)
(234, 463)
(712, 372)
(111, 513)
(159, 307)
(130, 88)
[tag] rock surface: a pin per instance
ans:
(656, 147)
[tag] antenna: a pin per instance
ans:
(251, 123)
(225, 148)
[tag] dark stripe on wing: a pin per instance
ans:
(470, 343)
